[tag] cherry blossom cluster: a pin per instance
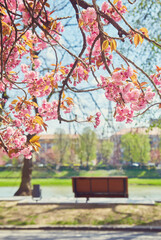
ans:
(106, 8)
(80, 73)
(13, 51)
(23, 40)
(157, 78)
(48, 110)
(88, 22)
(97, 119)
(15, 139)
(94, 119)
(38, 86)
(16, 45)
(23, 117)
(126, 93)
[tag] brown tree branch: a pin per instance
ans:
(147, 109)
(74, 65)
(101, 34)
(134, 30)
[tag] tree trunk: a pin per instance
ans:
(81, 162)
(25, 186)
(87, 162)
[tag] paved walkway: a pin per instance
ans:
(79, 235)
(64, 200)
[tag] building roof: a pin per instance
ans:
(141, 130)
(44, 137)
(47, 137)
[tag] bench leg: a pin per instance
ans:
(87, 199)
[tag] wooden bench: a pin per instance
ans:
(110, 187)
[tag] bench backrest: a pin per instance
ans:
(100, 186)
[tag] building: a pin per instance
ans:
(154, 135)
(47, 142)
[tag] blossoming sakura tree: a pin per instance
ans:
(27, 27)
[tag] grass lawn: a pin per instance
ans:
(42, 182)
(67, 182)
(48, 177)
(13, 214)
(143, 181)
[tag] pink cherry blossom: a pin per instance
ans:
(105, 7)
(37, 63)
(9, 131)
(31, 108)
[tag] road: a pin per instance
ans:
(77, 235)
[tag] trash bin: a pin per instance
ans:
(36, 192)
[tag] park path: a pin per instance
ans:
(77, 235)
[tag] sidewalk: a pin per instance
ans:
(73, 201)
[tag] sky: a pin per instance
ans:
(99, 97)
(72, 40)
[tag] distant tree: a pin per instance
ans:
(61, 145)
(50, 156)
(87, 149)
(105, 149)
(136, 148)
(81, 152)
(74, 149)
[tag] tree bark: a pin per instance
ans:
(25, 186)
